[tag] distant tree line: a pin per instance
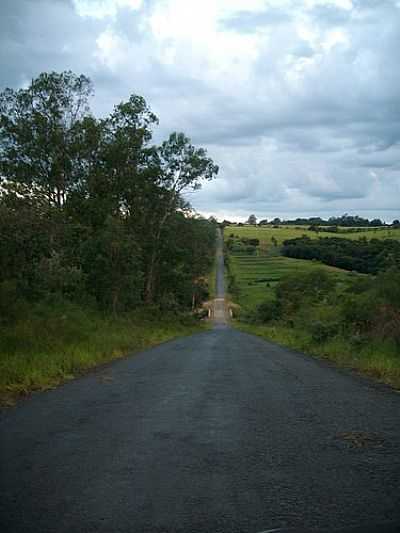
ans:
(332, 224)
(346, 221)
(362, 255)
(90, 209)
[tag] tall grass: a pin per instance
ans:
(54, 343)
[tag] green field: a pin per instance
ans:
(256, 276)
(281, 233)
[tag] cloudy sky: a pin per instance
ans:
(298, 101)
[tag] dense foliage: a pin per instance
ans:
(363, 309)
(367, 256)
(90, 210)
(242, 245)
(367, 307)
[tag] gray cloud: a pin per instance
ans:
(299, 106)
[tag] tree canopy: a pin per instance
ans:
(91, 209)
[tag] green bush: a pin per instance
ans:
(322, 331)
(267, 311)
(53, 275)
(362, 309)
(294, 290)
(11, 303)
(388, 287)
(358, 311)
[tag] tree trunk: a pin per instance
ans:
(115, 298)
(151, 273)
(149, 287)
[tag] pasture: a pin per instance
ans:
(267, 234)
(256, 276)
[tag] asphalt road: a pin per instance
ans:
(220, 281)
(218, 432)
(220, 312)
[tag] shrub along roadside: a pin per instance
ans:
(357, 326)
(57, 342)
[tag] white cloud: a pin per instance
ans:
(297, 100)
(188, 37)
(341, 4)
(111, 49)
(100, 9)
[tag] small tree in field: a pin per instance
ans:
(252, 220)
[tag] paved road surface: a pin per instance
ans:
(220, 312)
(219, 432)
(220, 287)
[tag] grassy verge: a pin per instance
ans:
(54, 344)
(375, 359)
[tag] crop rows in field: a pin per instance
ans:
(256, 276)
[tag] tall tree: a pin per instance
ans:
(37, 142)
(181, 167)
(93, 201)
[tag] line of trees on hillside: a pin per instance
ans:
(90, 209)
(332, 224)
(346, 221)
(362, 255)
